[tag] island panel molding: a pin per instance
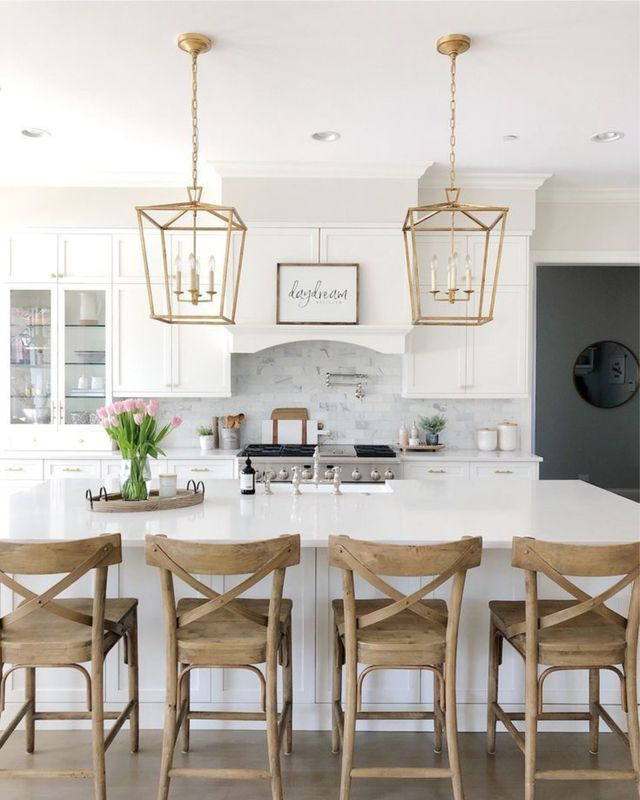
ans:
(317, 294)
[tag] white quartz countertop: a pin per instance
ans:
(469, 455)
(407, 512)
(171, 454)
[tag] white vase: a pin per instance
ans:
(487, 439)
(207, 442)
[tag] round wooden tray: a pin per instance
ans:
(113, 502)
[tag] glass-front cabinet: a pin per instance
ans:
(58, 365)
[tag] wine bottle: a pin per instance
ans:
(247, 478)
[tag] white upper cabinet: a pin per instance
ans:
(497, 352)
(201, 364)
(383, 287)
(264, 248)
(487, 361)
(128, 265)
(85, 257)
(514, 264)
(141, 346)
(31, 257)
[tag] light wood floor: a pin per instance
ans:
(312, 772)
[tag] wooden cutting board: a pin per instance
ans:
(290, 414)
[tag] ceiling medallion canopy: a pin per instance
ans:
(192, 251)
(467, 238)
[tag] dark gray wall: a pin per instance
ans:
(577, 306)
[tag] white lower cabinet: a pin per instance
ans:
(21, 469)
(450, 469)
(71, 468)
(503, 469)
(203, 469)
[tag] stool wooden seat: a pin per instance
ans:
(588, 639)
(44, 631)
(398, 632)
(402, 639)
(226, 631)
(225, 637)
(582, 633)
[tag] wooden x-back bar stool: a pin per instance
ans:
(401, 632)
(225, 631)
(45, 631)
(582, 633)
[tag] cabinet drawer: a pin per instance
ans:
(204, 469)
(449, 469)
(505, 470)
(111, 467)
(22, 469)
(71, 468)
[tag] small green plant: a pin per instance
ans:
(203, 430)
(433, 424)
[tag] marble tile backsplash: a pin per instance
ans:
(294, 375)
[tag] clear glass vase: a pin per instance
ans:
(134, 474)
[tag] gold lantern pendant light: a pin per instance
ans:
(448, 228)
(202, 233)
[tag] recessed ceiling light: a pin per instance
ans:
(510, 137)
(607, 136)
(35, 133)
(325, 136)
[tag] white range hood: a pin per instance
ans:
(390, 339)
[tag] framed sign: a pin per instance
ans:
(317, 294)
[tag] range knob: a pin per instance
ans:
(389, 475)
(356, 474)
(306, 474)
(375, 474)
(328, 473)
(283, 474)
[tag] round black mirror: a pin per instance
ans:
(606, 374)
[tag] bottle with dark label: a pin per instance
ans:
(247, 478)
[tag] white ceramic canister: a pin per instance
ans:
(487, 438)
(507, 435)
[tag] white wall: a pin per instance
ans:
(587, 226)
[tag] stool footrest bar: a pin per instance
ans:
(401, 772)
(221, 774)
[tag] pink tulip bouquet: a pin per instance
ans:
(132, 426)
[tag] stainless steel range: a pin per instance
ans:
(358, 462)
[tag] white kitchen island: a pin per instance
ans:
(402, 511)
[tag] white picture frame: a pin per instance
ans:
(317, 294)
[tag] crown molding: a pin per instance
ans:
(318, 169)
(489, 180)
(589, 195)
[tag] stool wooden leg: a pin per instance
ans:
(288, 692)
(437, 724)
(134, 692)
(632, 709)
(273, 742)
(185, 695)
(531, 726)
(97, 724)
(30, 694)
(594, 699)
(349, 728)
(495, 646)
(451, 719)
(336, 693)
(169, 737)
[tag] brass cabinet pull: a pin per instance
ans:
(199, 469)
(72, 469)
(503, 471)
(437, 471)
(14, 469)
(53, 275)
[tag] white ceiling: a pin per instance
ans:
(109, 83)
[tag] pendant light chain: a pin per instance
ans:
(452, 124)
(194, 118)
